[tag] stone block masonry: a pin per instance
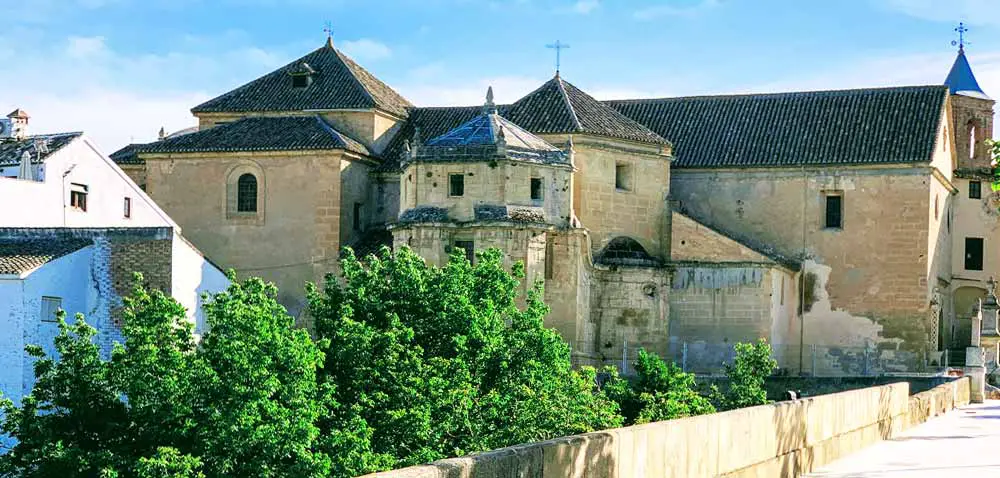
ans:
(779, 440)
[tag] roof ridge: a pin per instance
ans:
(357, 81)
(569, 104)
(780, 94)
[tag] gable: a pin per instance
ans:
(692, 241)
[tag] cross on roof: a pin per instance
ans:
(961, 29)
(558, 46)
(328, 29)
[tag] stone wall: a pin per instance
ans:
(640, 211)
(493, 183)
(867, 284)
(630, 309)
(294, 237)
(779, 440)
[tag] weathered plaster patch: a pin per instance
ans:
(826, 326)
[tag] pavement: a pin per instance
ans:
(963, 442)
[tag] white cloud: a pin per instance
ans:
(979, 12)
(365, 49)
(584, 7)
(83, 47)
(117, 98)
(681, 8)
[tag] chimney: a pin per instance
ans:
(19, 118)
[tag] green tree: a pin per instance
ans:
(72, 422)
(752, 365)
(660, 391)
(994, 147)
(439, 362)
(243, 403)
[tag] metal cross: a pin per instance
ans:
(961, 29)
(328, 29)
(558, 46)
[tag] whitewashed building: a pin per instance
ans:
(73, 230)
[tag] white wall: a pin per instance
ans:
(46, 203)
(192, 275)
(68, 278)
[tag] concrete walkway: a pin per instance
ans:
(963, 442)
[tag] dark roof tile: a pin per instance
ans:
(23, 255)
(285, 133)
(863, 126)
(339, 83)
(559, 107)
(12, 150)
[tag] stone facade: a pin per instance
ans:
(823, 235)
(306, 207)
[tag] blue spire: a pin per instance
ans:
(960, 79)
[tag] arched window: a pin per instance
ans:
(973, 144)
(246, 193)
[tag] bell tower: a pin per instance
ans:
(972, 111)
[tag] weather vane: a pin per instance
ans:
(558, 46)
(961, 29)
(328, 29)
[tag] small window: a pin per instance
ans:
(834, 214)
(301, 81)
(50, 308)
(128, 207)
(456, 185)
(623, 177)
(975, 190)
(357, 216)
(78, 196)
(470, 249)
(973, 253)
(246, 193)
(936, 198)
(536, 189)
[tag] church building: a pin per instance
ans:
(853, 229)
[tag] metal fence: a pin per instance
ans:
(811, 360)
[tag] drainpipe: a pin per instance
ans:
(802, 274)
(64, 174)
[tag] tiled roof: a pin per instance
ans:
(424, 214)
(338, 83)
(285, 133)
(432, 123)
(559, 107)
(22, 255)
(11, 151)
(863, 126)
(127, 155)
(490, 136)
(509, 213)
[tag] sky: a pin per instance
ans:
(121, 69)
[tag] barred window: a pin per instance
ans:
(246, 193)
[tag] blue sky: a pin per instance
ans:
(120, 69)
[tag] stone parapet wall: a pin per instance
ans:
(778, 440)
